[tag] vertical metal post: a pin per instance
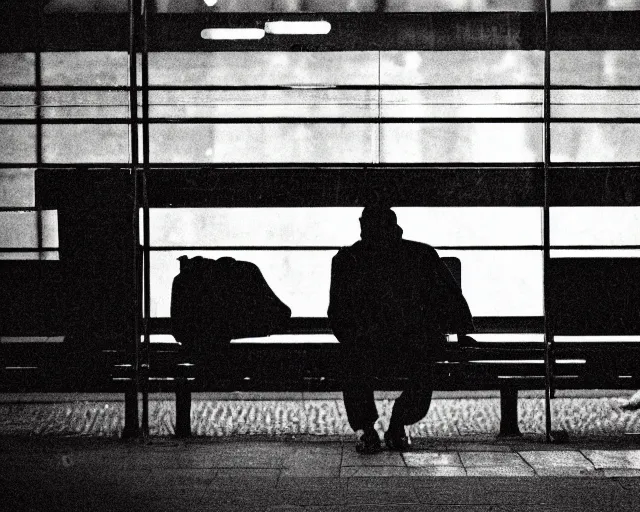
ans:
(38, 102)
(145, 216)
(131, 423)
(548, 332)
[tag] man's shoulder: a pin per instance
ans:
(348, 252)
(418, 247)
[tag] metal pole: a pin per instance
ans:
(548, 332)
(145, 216)
(131, 424)
(38, 102)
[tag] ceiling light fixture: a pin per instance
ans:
(210, 3)
(297, 27)
(232, 33)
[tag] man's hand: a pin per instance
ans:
(464, 340)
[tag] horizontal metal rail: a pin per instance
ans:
(321, 120)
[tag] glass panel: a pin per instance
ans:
(595, 226)
(501, 283)
(18, 229)
(595, 253)
(600, 103)
(57, 104)
(17, 188)
(299, 278)
(464, 142)
(255, 226)
(272, 143)
(50, 228)
(589, 142)
(17, 69)
(595, 67)
(263, 68)
(252, 104)
(347, 143)
(472, 225)
(495, 283)
(85, 68)
(33, 255)
(17, 144)
(17, 105)
(462, 103)
(88, 143)
(335, 227)
(503, 67)
(595, 5)
(340, 103)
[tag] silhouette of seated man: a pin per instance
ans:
(391, 303)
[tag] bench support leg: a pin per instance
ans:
(509, 413)
(131, 422)
(183, 408)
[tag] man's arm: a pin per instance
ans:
(341, 313)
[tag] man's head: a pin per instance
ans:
(379, 222)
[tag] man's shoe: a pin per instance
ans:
(397, 440)
(368, 441)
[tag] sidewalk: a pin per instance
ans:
(315, 473)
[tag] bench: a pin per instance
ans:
(306, 367)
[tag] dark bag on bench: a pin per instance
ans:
(214, 301)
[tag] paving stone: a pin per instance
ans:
(242, 484)
(243, 461)
(436, 471)
(428, 459)
(619, 459)
(373, 471)
(385, 458)
(381, 495)
(589, 493)
(558, 463)
(478, 447)
(569, 472)
(510, 471)
(305, 471)
(486, 459)
(265, 497)
(253, 473)
(309, 458)
(615, 472)
(303, 508)
(403, 507)
(386, 481)
(312, 482)
(307, 496)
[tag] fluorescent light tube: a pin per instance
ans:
(232, 33)
(297, 27)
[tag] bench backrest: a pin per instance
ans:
(455, 267)
(595, 296)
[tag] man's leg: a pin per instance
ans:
(362, 414)
(360, 405)
(409, 408)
